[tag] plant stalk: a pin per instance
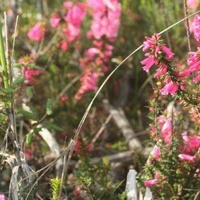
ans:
(3, 61)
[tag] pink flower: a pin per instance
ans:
(196, 79)
(96, 5)
(168, 53)
(68, 4)
(76, 14)
(194, 64)
(71, 33)
(187, 158)
(165, 126)
(91, 52)
(107, 53)
(151, 42)
(166, 132)
(88, 83)
(191, 143)
(29, 73)
(162, 70)
(90, 147)
(2, 197)
(106, 19)
(64, 45)
(169, 88)
(194, 61)
(151, 182)
(156, 152)
(195, 27)
(184, 73)
(193, 4)
(55, 20)
(29, 153)
(64, 99)
(36, 33)
(148, 62)
(78, 145)
(78, 192)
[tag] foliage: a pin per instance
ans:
(55, 185)
(56, 56)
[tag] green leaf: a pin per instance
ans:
(29, 92)
(29, 138)
(49, 107)
(18, 80)
(105, 161)
(27, 114)
(52, 126)
(7, 90)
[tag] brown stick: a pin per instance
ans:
(123, 124)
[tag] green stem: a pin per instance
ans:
(3, 61)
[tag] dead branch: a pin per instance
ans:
(122, 123)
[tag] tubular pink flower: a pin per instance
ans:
(166, 132)
(191, 143)
(168, 53)
(150, 182)
(55, 20)
(194, 65)
(162, 70)
(169, 88)
(156, 152)
(194, 61)
(187, 158)
(195, 27)
(36, 33)
(148, 62)
(184, 73)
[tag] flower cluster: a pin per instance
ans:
(29, 72)
(161, 56)
(191, 148)
(70, 23)
(106, 19)
(194, 65)
(165, 126)
(104, 30)
(88, 83)
(37, 32)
